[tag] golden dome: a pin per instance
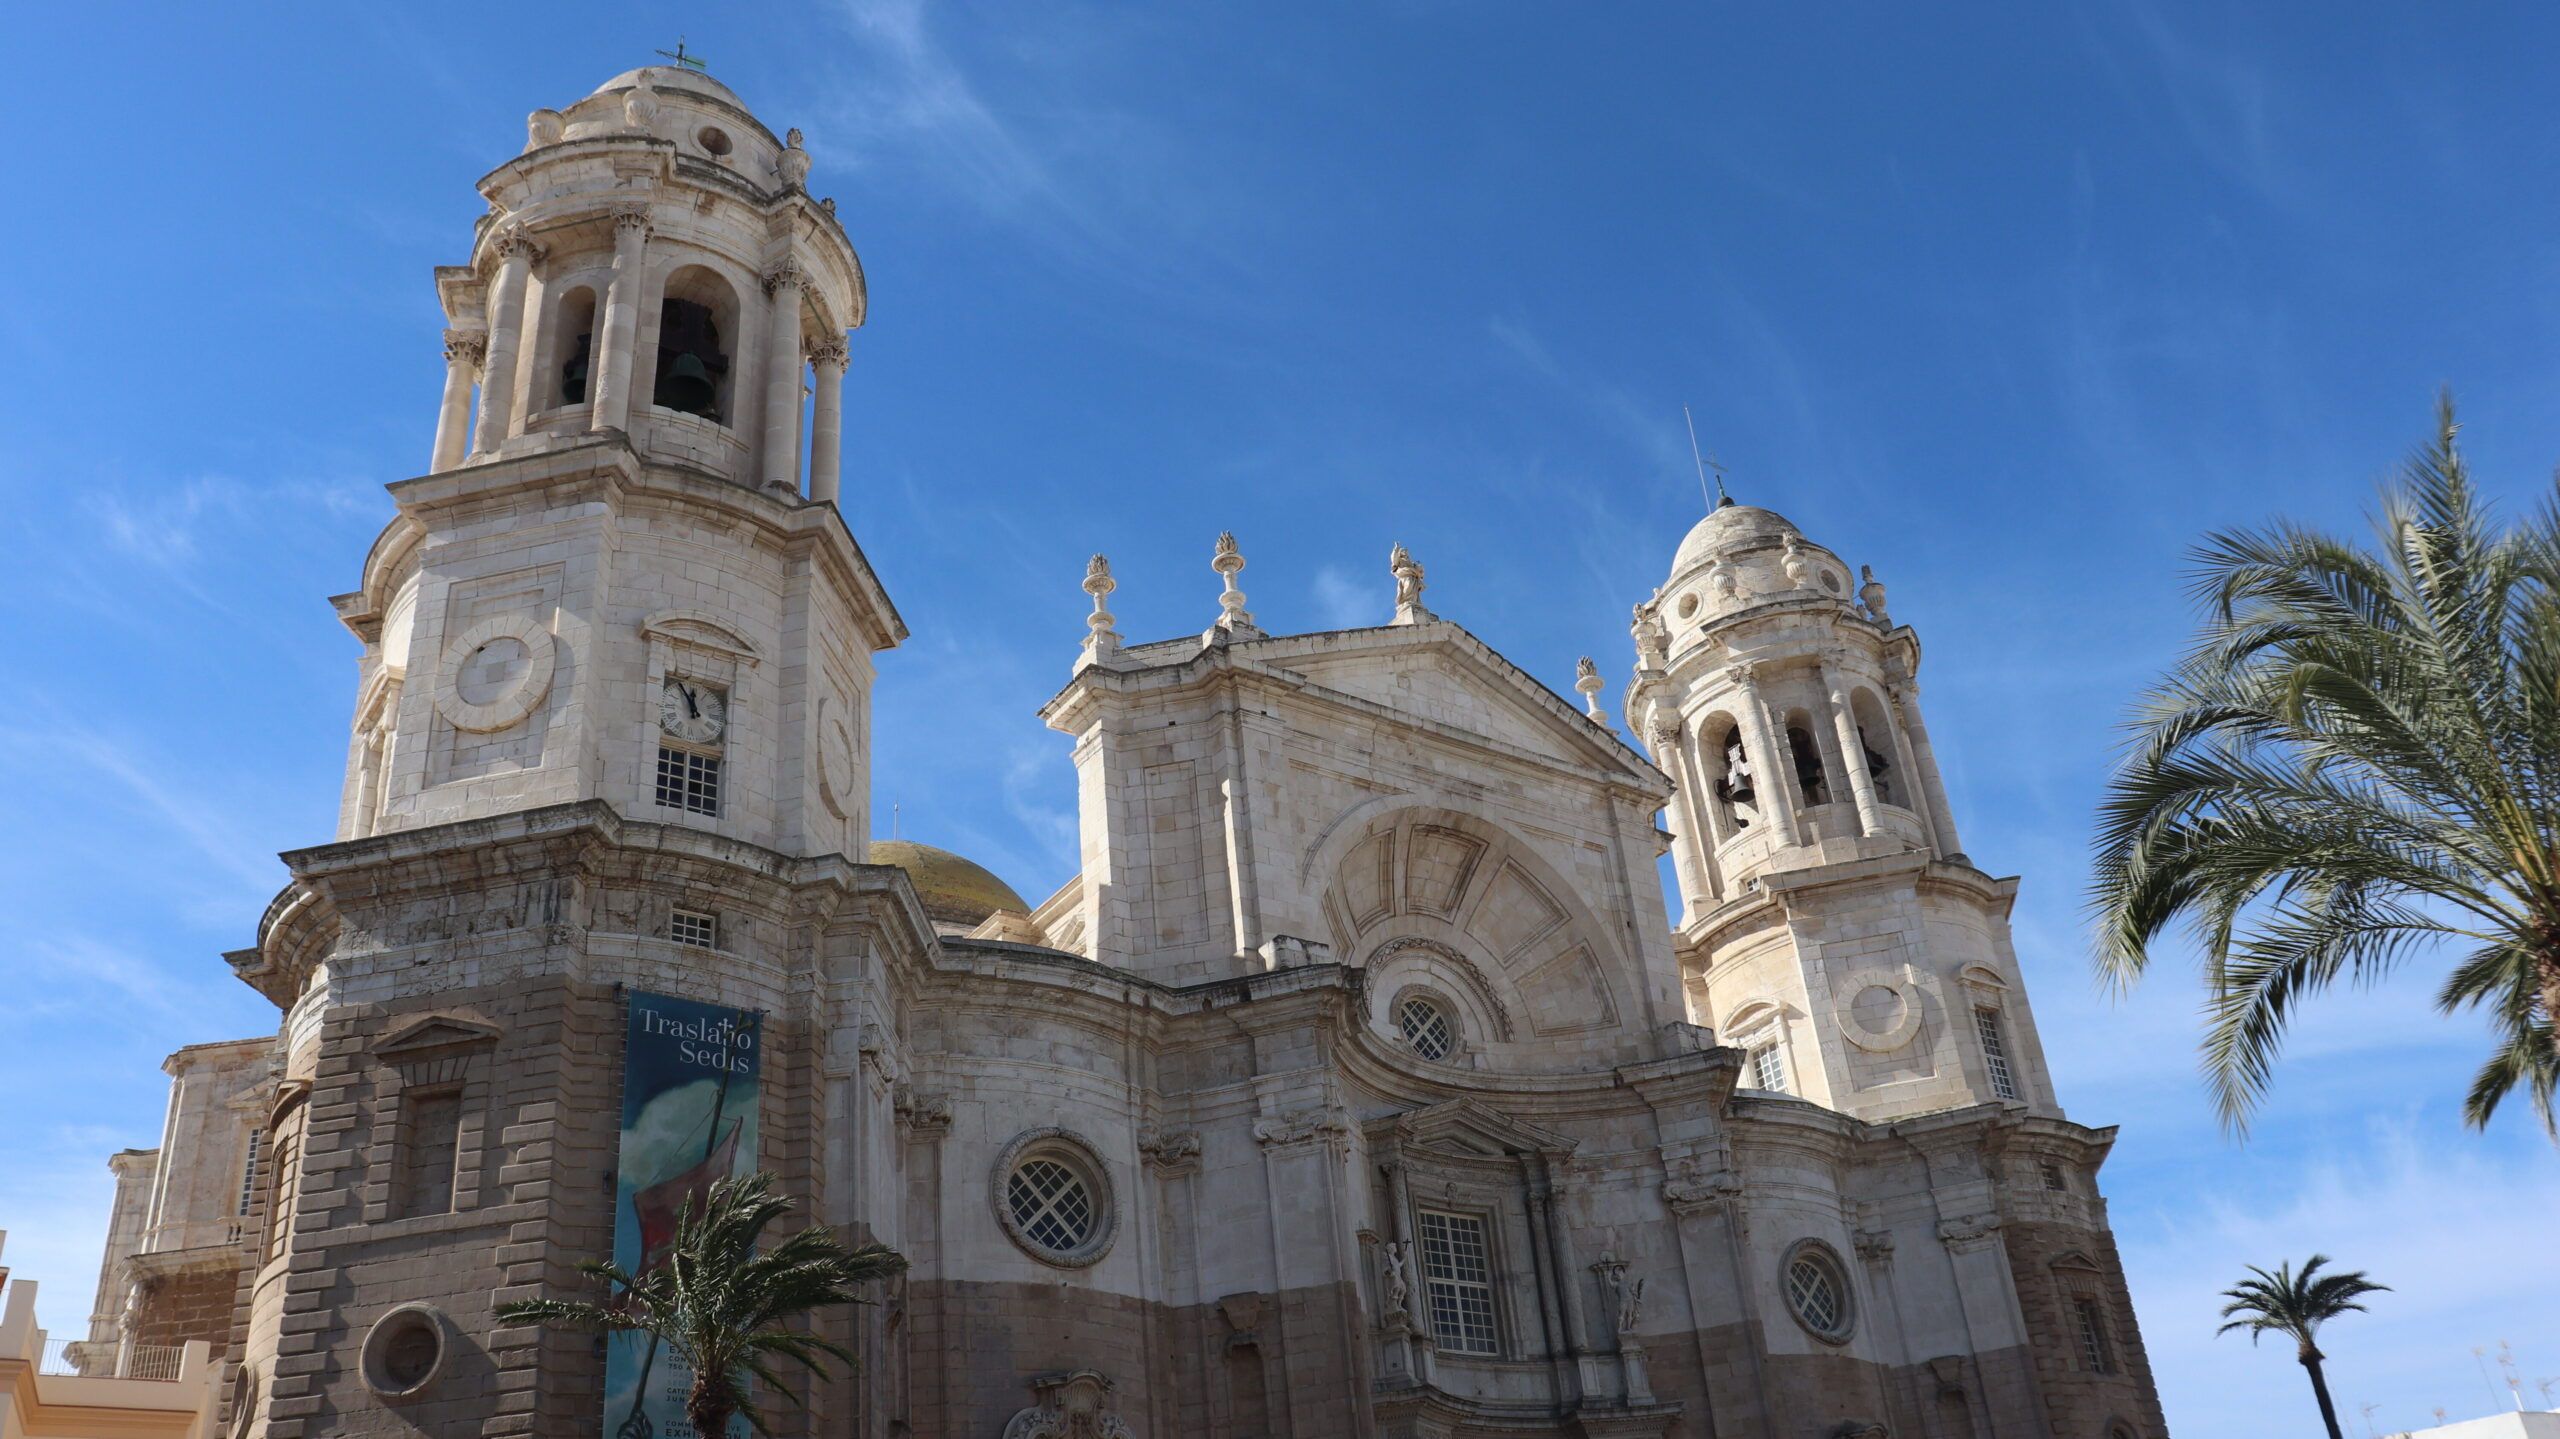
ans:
(954, 890)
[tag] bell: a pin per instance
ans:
(687, 386)
(573, 376)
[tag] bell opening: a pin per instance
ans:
(690, 365)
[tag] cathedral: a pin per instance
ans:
(1362, 1081)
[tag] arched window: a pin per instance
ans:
(1875, 737)
(1736, 789)
(575, 328)
(697, 322)
(1427, 1028)
(1808, 761)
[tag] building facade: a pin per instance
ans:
(1359, 1083)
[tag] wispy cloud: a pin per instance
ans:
(911, 95)
(1344, 602)
(200, 823)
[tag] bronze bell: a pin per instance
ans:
(573, 375)
(687, 386)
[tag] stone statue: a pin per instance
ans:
(1399, 1254)
(1408, 573)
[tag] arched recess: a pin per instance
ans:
(1453, 896)
(566, 366)
(1875, 735)
(694, 327)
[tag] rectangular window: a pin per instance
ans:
(2095, 1352)
(249, 1169)
(702, 931)
(2052, 1176)
(1457, 1282)
(1995, 1055)
(1768, 1067)
(430, 1141)
(688, 780)
(281, 1187)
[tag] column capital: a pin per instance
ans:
(783, 274)
(470, 345)
(514, 242)
(829, 350)
(631, 215)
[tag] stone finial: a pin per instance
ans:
(1799, 565)
(1408, 573)
(794, 164)
(828, 204)
(1100, 641)
(640, 106)
(1233, 619)
(1871, 594)
(1587, 681)
(544, 127)
(1653, 643)
(1725, 577)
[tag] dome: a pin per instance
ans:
(672, 77)
(954, 890)
(1730, 526)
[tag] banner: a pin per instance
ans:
(690, 1076)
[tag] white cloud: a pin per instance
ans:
(1345, 603)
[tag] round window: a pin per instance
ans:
(1817, 1292)
(1831, 582)
(714, 140)
(1688, 606)
(403, 1351)
(1054, 1199)
(1426, 1028)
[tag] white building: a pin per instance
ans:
(1359, 1083)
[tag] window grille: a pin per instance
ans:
(1457, 1282)
(702, 931)
(249, 1169)
(1768, 1067)
(1426, 1028)
(1052, 1203)
(281, 1187)
(688, 780)
(1813, 1291)
(2095, 1352)
(429, 1148)
(1995, 1054)
(2052, 1176)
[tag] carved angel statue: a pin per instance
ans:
(1630, 1305)
(1399, 1281)
(1408, 573)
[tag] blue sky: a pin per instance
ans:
(2010, 301)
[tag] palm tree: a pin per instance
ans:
(721, 1306)
(2296, 1305)
(2358, 761)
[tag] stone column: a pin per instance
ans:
(826, 426)
(782, 378)
(1699, 875)
(1777, 782)
(617, 375)
(516, 253)
(463, 352)
(1853, 752)
(1933, 792)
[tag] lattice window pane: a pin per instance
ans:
(1457, 1282)
(1815, 1294)
(249, 1169)
(688, 781)
(1769, 1068)
(1995, 1054)
(1426, 1028)
(699, 930)
(1052, 1204)
(2095, 1352)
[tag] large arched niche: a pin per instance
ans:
(1429, 900)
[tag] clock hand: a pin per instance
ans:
(690, 707)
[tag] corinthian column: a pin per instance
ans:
(516, 253)
(463, 352)
(617, 367)
(1777, 785)
(782, 379)
(826, 424)
(1853, 752)
(1933, 791)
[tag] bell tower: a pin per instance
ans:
(612, 583)
(1833, 927)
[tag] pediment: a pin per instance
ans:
(701, 630)
(432, 1032)
(1443, 675)
(1469, 1129)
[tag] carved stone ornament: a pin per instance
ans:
(784, 273)
(544, 127)
(1871, 594)
(513, 243)
(495, 673)
(1875, 1246)
(468, 346)
(639, 106)
(1968, 1231)
(838, 775)
(1409, 586)
(830, 351)
(632, 216)
(1073, 1405)
(923, 1116)
(793, 165)
(1324, 1121)
(1169, 1149)
(1690, 1186)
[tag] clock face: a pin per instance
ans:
(694, 713)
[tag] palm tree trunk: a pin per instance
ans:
(709, 1407)
(2319, 1386)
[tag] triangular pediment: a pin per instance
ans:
(1471, 1128)
(1441, 675)
(435, 1031)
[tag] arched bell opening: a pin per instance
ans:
(1804, 751)
(1730, 778)
(1875, 738)
(697, 322)
(574, 324)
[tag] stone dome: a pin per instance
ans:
(1730, 526)
(954, 889)
(672, 77)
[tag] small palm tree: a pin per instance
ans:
(2357, 761)
(721, 1306)
(2296, 1305)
